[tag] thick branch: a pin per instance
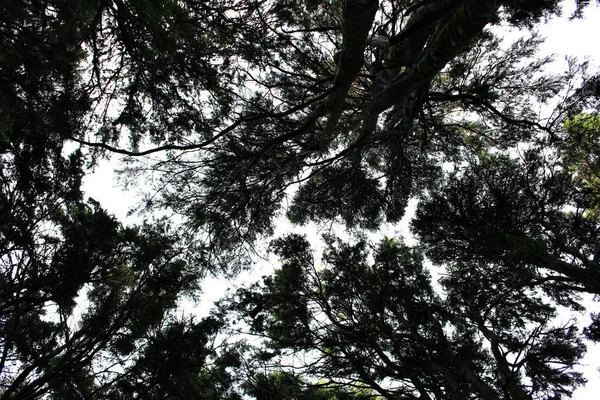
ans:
(357, 19)
(450, 41)
(586, 277)
(425, 16)
(509, 378)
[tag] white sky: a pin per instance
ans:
(577, 38)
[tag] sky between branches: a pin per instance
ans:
(564, 38)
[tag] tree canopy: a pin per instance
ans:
(232, 113)
(381, 324)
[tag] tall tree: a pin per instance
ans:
(87, 306)
(244, 100)
(381, 324)
(355, 107)
(286, 386)
(369, 108)
(526, 212)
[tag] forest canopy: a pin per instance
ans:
(233, 114)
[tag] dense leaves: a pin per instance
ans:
(374, 96)
(233, 113)
(285, 386)
(514, 211)
(82, 297)
(382, 325)
(245, 100)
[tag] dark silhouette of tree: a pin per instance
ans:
(244, 100)
(285, 386)
(87, 306)
(382, 325)
(228, 108)
(375, 118)
(527, 212)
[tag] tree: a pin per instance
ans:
(87, 306)
(581, 157)
(277, 95)
(285, 386)
(348, 108)
(381, 324)
(314, 122)
(523, 212)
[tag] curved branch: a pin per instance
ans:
(197, 146)
(439, 96)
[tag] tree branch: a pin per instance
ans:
(450, 41)
(357, 19)
(197, 146)
(440, 96)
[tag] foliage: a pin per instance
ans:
(381, 324)
(280, 94)
(284, 386)
(83, 298)
(582, 157)
(232, 113)
(514, 212)
(84, 301)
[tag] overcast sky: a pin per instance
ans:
(579, 38)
